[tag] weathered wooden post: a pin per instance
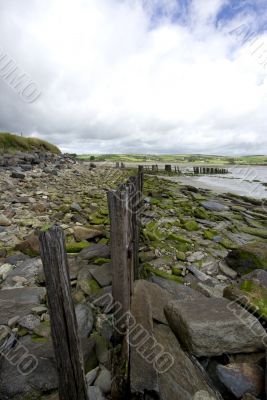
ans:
(168, 168)
(121, 253)
(64, 329)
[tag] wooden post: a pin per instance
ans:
(168, 168)
(64, 329)
(122, 274)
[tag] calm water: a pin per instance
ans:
(245, 181)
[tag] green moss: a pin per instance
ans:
(46, 227)
(103, 241)
(176, 271)
(154, 235)
(257, 296)
(22, 332)
(179, 238)
(248, 257)
(191, 226)
(228, 244)
(76, 247)
(255, 231)
(201, 213)
(94, 286)
(148, 268)
(209, 234)
(38, 339)
(180, 256)
(100, 261)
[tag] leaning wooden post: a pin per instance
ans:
(64, 327)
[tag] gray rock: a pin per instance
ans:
(76, 207)
(102, 274)
(18, 379)
(94, 393)
(4, 221)
(103, 381)
(28, 269)
(91, 376)
(29, 322)
(17, 175)
(214, 206)
(227, 270)
(178, 377)
(203, 395)
(96, 250)
(214, 326)
(19, 302)
(85, 319)
(242, 378)
(179, 291)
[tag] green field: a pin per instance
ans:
(177, 158)
(10, 143)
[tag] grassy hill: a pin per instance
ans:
(177, 158)
(10, 143)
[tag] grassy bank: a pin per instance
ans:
(177, 158)
(10, 143)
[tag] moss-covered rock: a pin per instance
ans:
(101, 260)
(255, 231)
(180, 255)
(148, 269)
(179, 238)
(191, 226)
(76, 247)
(201, 213)
(209, 234)
(257, 297)
(89, 286)
(248, 257)
(228, 244)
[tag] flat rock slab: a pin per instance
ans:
(27, 269)
(102, 274)
(158, 298)
(214, 206)
(213, 326)
(19, 302)
(41, 374)
(97, 250)
(183, 379)
(179, 291)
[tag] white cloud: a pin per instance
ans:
(114, 82)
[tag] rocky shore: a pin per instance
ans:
(203, 295)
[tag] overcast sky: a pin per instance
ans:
(139, 76)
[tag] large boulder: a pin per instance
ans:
(251, 292)
(17, 379)
(214, 326)
(248, 257)
(183, 379)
